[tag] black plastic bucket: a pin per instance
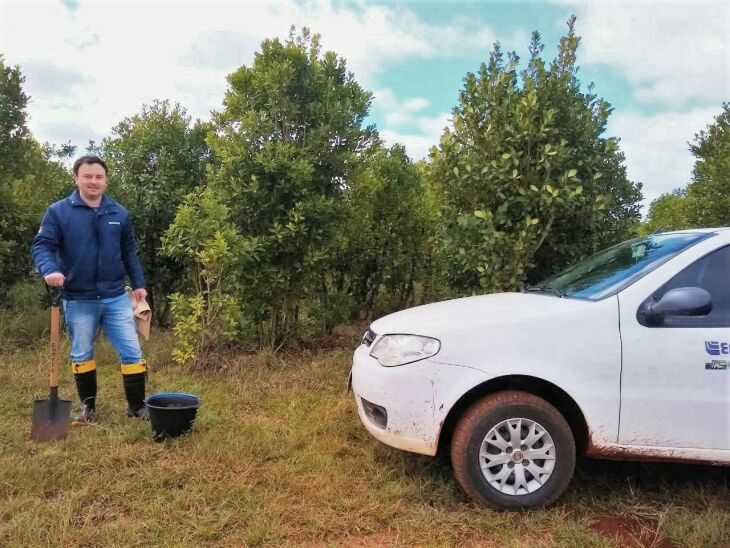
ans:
(171, 413)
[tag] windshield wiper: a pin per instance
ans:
(544, 289)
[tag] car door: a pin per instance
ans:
(675, 386)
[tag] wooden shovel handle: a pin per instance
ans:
(55, 343)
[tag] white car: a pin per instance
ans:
(622, 356)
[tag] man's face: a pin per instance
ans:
(91, 181)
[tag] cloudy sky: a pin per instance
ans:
(664, 65)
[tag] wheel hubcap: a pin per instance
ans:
(517, 456)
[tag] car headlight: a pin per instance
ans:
(392, 350)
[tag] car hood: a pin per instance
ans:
(435, 319)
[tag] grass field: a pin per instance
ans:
(279, 457)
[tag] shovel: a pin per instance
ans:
(51, 416)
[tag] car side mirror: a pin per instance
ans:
(681, 301)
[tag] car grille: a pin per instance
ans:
(368, 337)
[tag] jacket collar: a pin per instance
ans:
(76, 200)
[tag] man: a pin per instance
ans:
(85, 246)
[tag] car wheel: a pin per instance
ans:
(513, 450)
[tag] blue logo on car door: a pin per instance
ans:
(715, 348)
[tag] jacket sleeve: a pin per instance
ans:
(46, 243)
(129, 256)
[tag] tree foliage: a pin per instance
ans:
(155, 159)
(384, 241)
(667, 212)
(709, 193)
(285, 211)
(705, 202)
(31, 176)
(289, 136)
(528, 183)
(16, 146)
(16, 142)
(204, 241)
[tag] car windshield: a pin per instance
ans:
(613, 269)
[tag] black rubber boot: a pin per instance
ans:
(86, 387)
(134, 387)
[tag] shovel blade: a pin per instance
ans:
(50, 419)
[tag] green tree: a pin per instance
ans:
(573, 237)
(16, 141)
(385, 236)
(528, 183)
(31, 177)
(705, 202)
(155, 159)
(203, 239)
(289, 136)
(708, 194)
(667, 212)
(15, 149)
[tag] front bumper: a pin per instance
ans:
(417, 398)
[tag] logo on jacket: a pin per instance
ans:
(715, 348)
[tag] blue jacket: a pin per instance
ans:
(93, 249)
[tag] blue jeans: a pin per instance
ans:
(114, 316)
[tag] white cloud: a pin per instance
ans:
(218, 50)
(52, 80)
(670, 51)
(407, 125)
(99, 62)
(435, 125)
(417, 146)
(415, 104)
(63, 131)
(656, 147)
(399, 113)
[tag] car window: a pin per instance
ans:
(613, 269)
(712, 273)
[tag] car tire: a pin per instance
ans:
(497, 472)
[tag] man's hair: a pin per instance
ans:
(89, 160)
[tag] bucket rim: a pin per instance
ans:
(149, 401)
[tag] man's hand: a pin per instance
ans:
(140, 294)
(55, 279)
